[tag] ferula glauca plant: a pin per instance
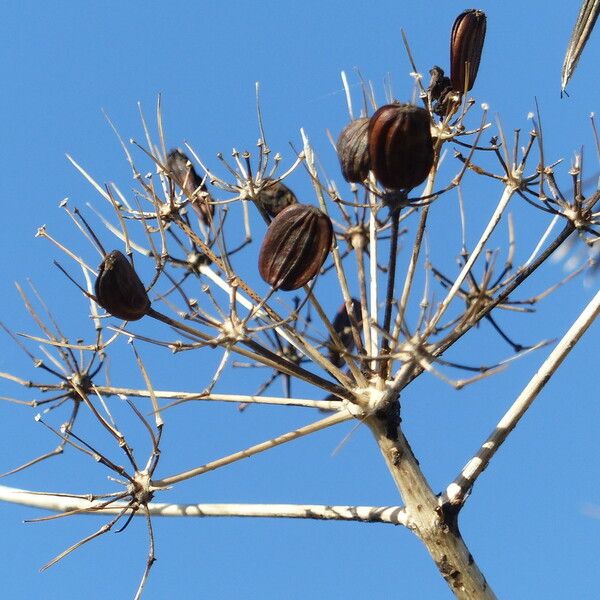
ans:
(293, 298)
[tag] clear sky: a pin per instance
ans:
(527, 522)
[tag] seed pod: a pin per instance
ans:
(295, 247)
(342, 326)
(353, 150)
(275, 196)
(400, 145)
(119, 290)
(466, 45)
(440, 91)
(184, 175)
(438, 83)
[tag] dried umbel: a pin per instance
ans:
(353, 150)
(183, 173)
(466, 45)
(343, 327)
(119, 290)
(295, 247)
(275, 196)
(400, 145)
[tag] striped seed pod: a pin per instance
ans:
(353, 150)
(400, 145)
(466, 45)
(275, 196)
(119, 290)
(182, 172)
(342, 326)
(295, 247)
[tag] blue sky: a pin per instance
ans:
(526, 521)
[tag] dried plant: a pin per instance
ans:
(184, 263)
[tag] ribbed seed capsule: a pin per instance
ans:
(353, 150)
(119, 290)
(466, 45)
(183, 173)
(343, 327)
(295, 247)
(275, 196)
(400, 145)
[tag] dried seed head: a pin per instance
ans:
(295, 247)
(342, 326)
(275, 196)
(353, 150)
(184, 175)
(466, 45)
(400, 145)
(119, 290)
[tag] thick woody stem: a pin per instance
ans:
(426, 517)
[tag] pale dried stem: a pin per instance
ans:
(277, 441)
(458, 489)
(151, 554)
(542, 240)
(287, 332)
(348, 95)
(509, 190)
(41, 232)
(364, 304)
(320, 359)
(202, 396)
(374, 349)
(414, 258)
(90, 179)
(157, 416)
(393, 515)
(258, 354)
(516, 281)
(356, 372)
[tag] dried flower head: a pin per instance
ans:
(295, 246)
(119, 290)
(353, 150)
(466, 45)
(400, 145)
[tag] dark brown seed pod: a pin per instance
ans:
(119, 290)
(275, 196)
(353, 150)
(466, 45)
(295, 247)
(400, 145)
(342, 326)
(440, 91)
(184, 175)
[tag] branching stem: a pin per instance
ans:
(457, 491)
